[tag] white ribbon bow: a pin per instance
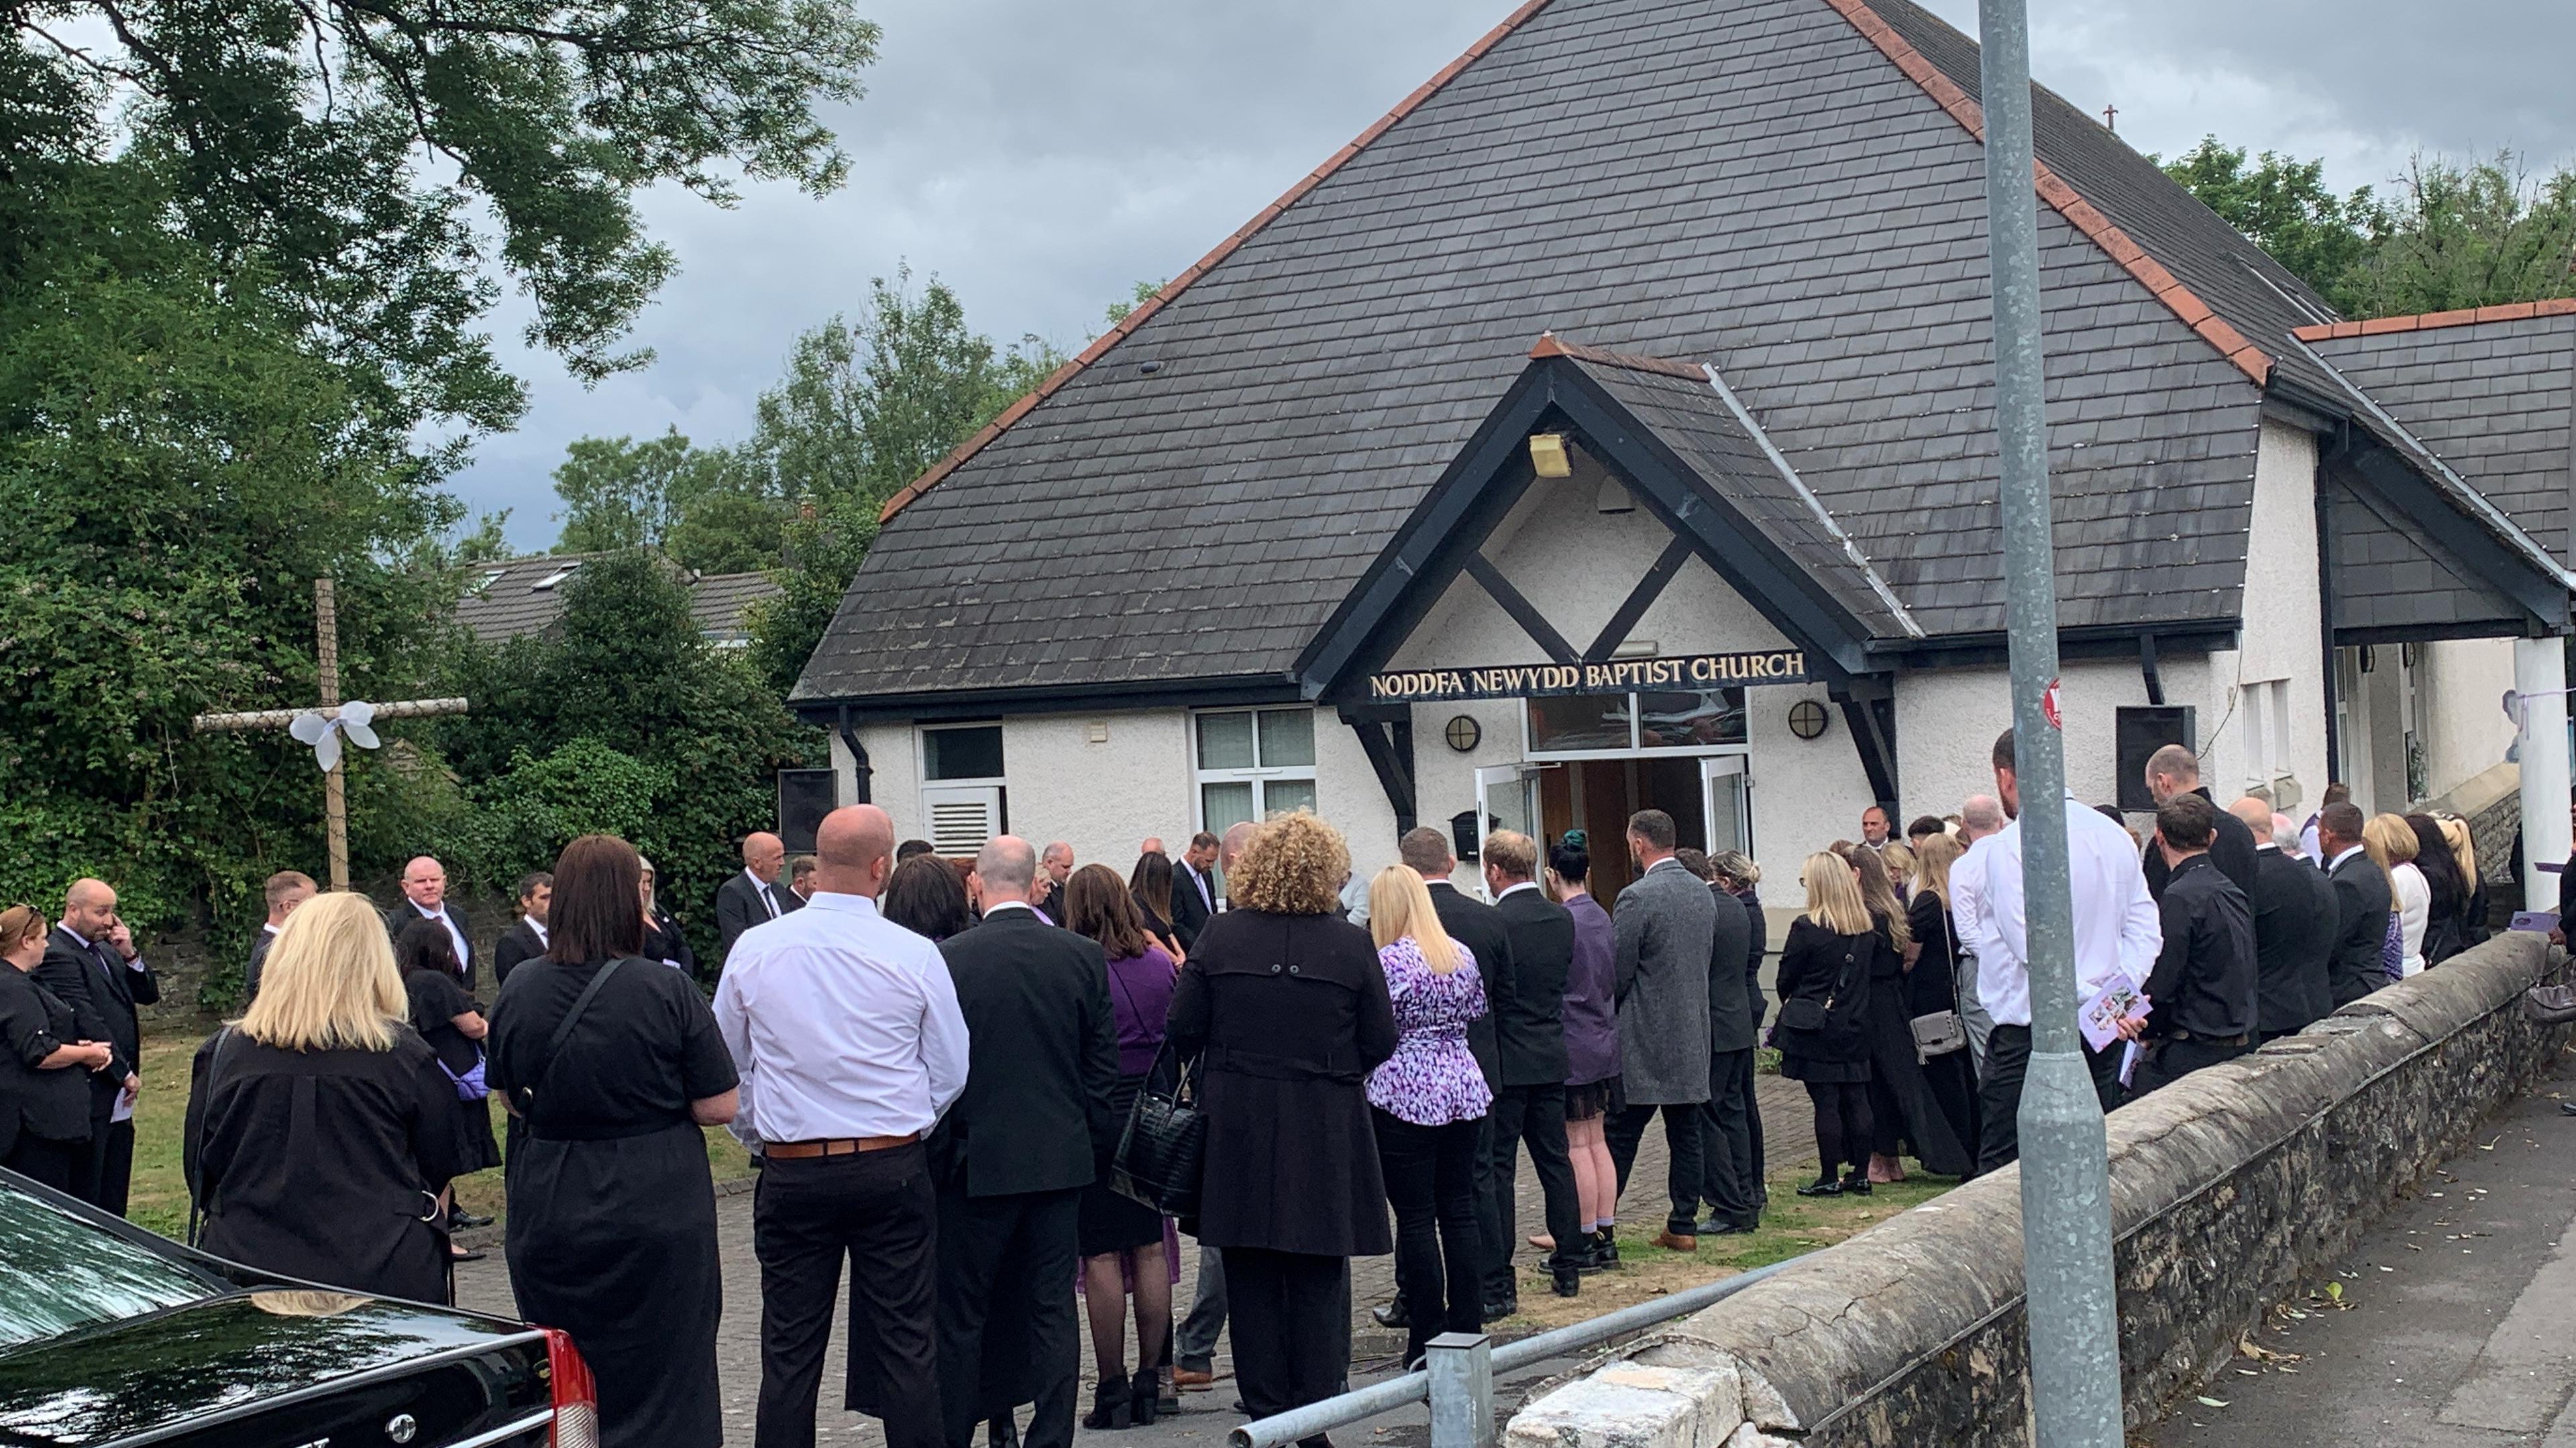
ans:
(354, 720)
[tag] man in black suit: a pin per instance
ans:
(2294, 927)
(2355, 968)
(2204, 989)
(527, 939)
(1055, 864)
(1479, 927)
(1528, 1007)
(92, 966)
(1194, 889)
(1730, 1178)
(1011, 1158)
(424, 887)
(754, 896)
(2175, 770)
(286, 890)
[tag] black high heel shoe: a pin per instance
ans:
(1143, 1398)
(1110, 1405)
(1825, 1186)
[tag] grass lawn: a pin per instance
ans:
(1791, 1225)
(160, 1196)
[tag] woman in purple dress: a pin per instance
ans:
(1122, 1239)
(1426, 1102)
(1591, 1055)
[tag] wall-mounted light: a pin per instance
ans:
(1548, 456)
(1463, 733)
(1807, 719)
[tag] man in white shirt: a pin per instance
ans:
(846, 1031)
(2117, 937)
(1981, 818)
(424, 887)
(754, 896)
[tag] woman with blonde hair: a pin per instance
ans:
(1902, 1109)
(1932, 986)
(2392, 846)
(320, 1130)
(44, 1064)
(1826, 967)
(1426, 1102)
(2464, 851)
(1284, 1007)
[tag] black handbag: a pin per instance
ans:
(1161, 1152)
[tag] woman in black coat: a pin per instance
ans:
(320, 1130)
(1285, 1009)
(1932, 986)
(1824, 1036)
(44, 1064)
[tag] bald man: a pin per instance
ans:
(2294, 925)
(92, 965)
(424, 887)
(1036, 1126)
(1055, 866)
(846, 1031)
(755, 896)
(2175, 770)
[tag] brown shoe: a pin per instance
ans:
(1667, 1240)
(1191, 1380)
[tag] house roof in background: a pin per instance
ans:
(1750, 182)
(525, 595)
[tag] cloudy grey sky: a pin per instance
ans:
(1041, 157)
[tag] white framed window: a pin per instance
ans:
(1601, 726)
(1252, 763)
(963, 800)
(2267, 731)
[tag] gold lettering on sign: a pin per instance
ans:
(1617, 676)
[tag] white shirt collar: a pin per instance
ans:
(544, 937)
(1516, 889)
(426, 913)
(85, 942)
(995, 909)
(2337, 862)
(267, 929)
(757, 882)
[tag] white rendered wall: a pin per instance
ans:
(2282, 637)
(1103, 797)
(2461, 693)
(1947, 720)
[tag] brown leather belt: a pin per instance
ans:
(842, 1146)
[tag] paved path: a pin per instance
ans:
(1205, 1417)
(2460, 1324)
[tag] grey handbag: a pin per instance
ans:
(1941, 1032)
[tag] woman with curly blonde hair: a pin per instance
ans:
(1284, 1007)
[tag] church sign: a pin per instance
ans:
(1614, 676)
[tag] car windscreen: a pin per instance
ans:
(59, 1274)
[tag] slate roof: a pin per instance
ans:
(1753, 182)
(505, 599)
(2491, 393)
(1689, 415)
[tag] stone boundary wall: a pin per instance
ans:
(2228, 1189)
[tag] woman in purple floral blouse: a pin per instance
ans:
(1426, 1102)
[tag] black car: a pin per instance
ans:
(111, 1335)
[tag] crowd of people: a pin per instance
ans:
(933, 1061)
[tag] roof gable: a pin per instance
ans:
(1749, 181)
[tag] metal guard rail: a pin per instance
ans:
(1458, 1376)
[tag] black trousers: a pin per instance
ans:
(1729, 1175)
(1493, 1205)
(806, 1215)
(46, 1162)
(1999, 1094)
(1843, 1124)
(1753, 1115)
(1625, 1129)
(1039, 1235)
(1535, 1116)
(1439, 1260)
(2171, 1060)
(1291, 1327)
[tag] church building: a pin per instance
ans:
(1610, 426)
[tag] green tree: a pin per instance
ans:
(863, 409)
(621, 719)
(2282, 205)
(385, 158)
(699, 505)
(1144, 292)
(2451, 236)
(486, 541)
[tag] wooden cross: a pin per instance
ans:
(335, 795)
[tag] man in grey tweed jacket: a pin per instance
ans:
(1663, 924)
